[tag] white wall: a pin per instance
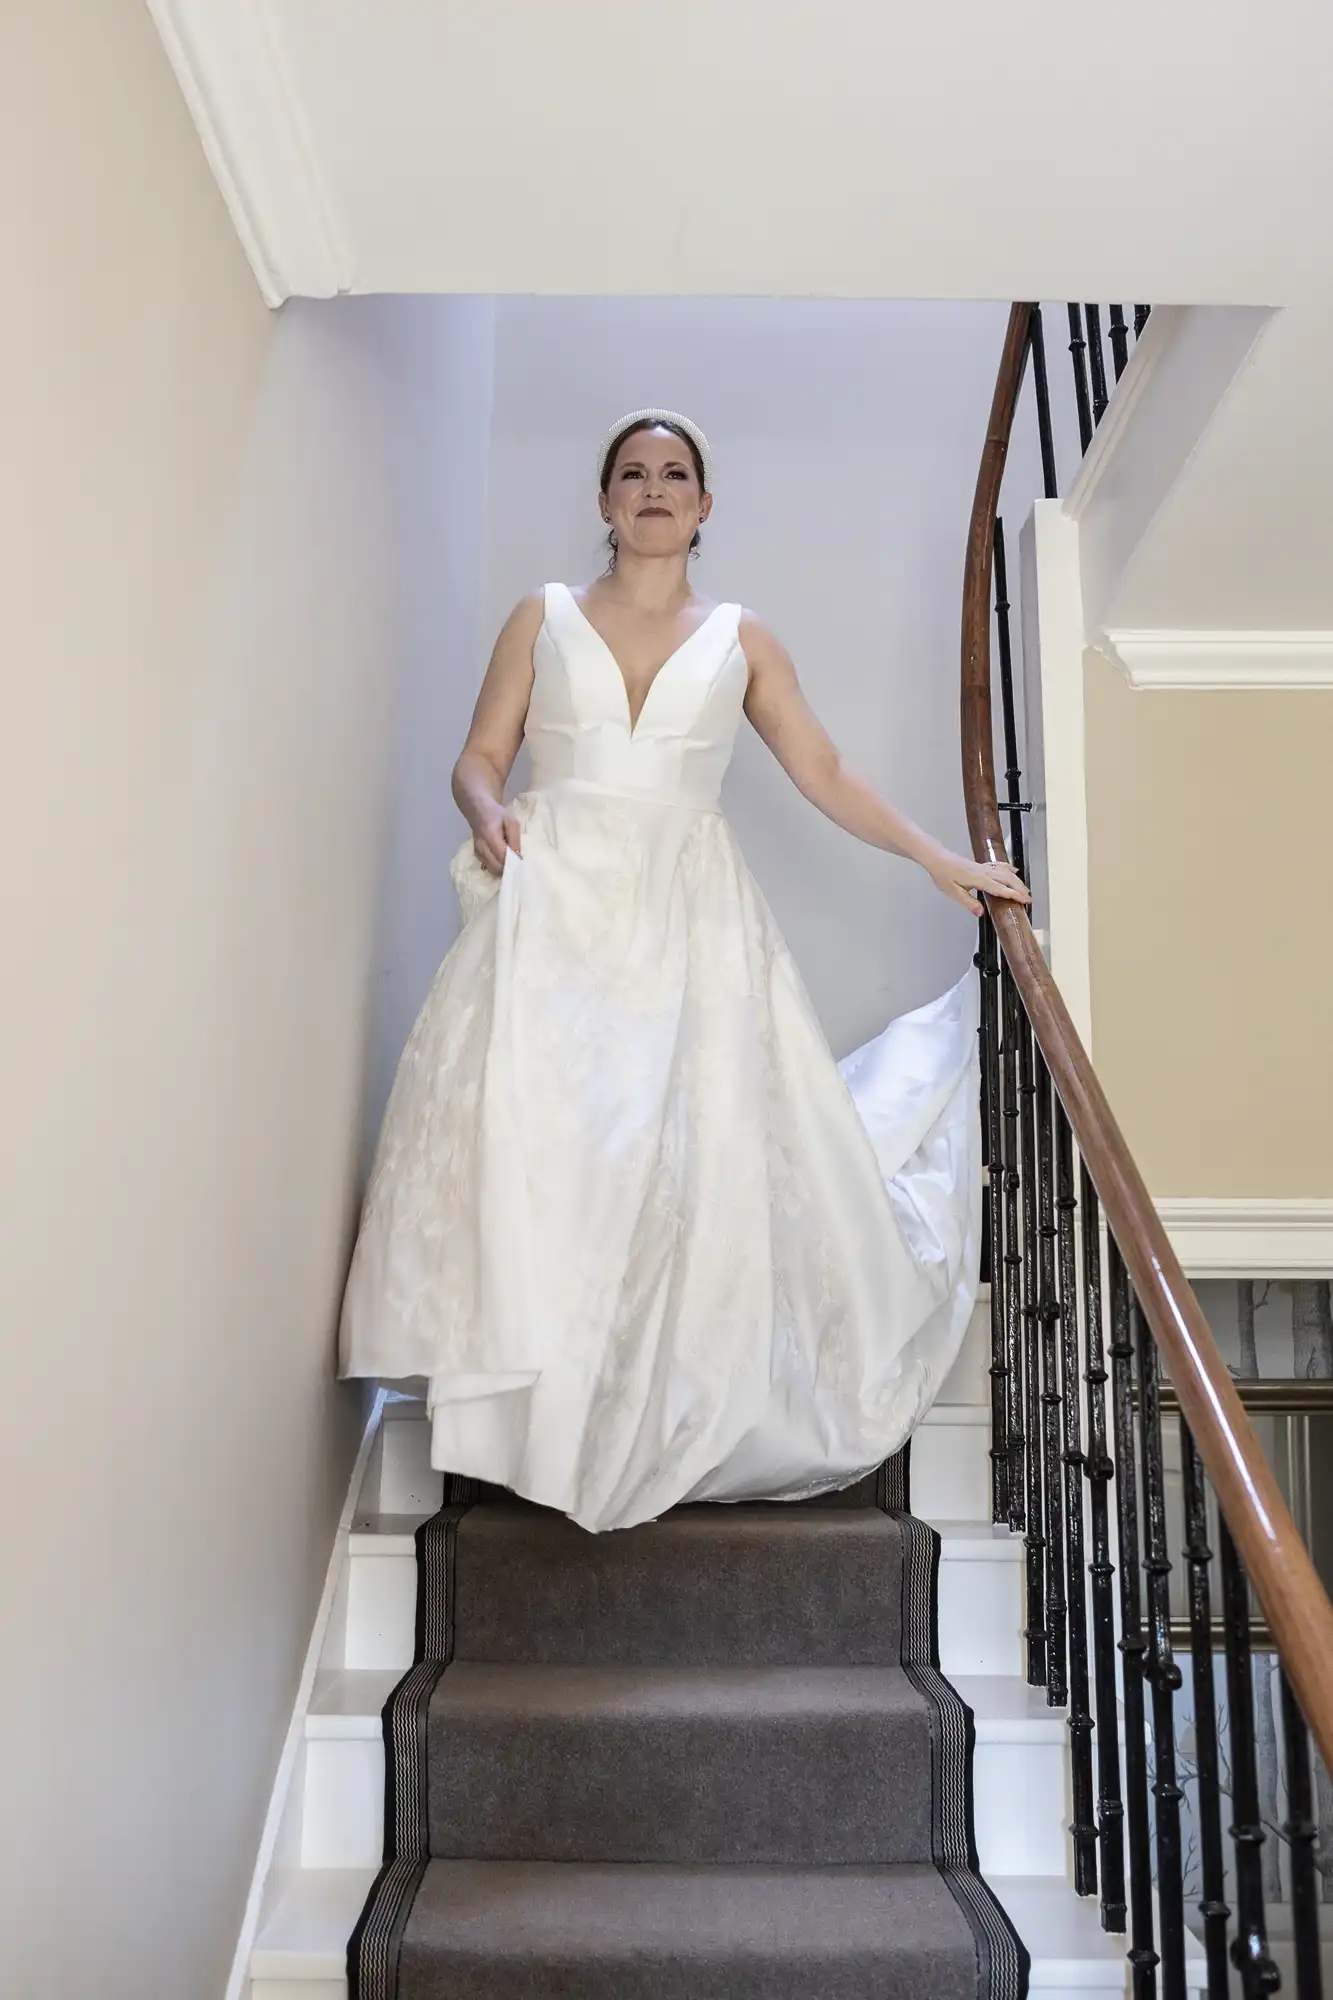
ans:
(847, 437)
(201, 544)
(441, 572)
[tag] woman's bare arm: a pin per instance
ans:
(776, 705)
(486, 759)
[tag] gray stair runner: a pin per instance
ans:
(709, 1758)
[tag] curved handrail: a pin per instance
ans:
(1285, 1581)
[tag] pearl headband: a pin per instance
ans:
(637, 417)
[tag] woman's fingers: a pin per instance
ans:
(490, 854)
(494, 840)
(1002, 880)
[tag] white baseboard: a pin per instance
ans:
(238, 1982)
(1262, 1238)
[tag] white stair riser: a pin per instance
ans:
(950, 1472)
(381, 1611)
(342, 1815)
(1019, 1796)
(950, 1468)
(981, 1615)
(1020, 1802)
(408, 1483)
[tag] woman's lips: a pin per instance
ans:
(665, 512)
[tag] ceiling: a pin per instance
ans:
(776, 147)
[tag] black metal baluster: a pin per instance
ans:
(1162, 1672)
(1084, 1826)
(1119, 335)
(1140, 319)
(1302, 1831)
(1213, 1906)
(1142, 1955)
(988, 960)
(1077, 351)
(1034, 1538)
(1096, 362)
(1015, 1430)
(1052, 1440)
(1249, 1948)
(1110, 1810)
(1012, 773)
(1037, 345)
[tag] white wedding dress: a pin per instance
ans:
(645, 1239)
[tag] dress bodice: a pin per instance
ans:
(578, 727)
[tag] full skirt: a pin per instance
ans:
(644, 1238)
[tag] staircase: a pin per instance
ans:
(554, 1631)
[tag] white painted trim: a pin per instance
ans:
(238, 1981)
(1186, 367)
(1151, 345)
(1199, 660)
(233, 72)
(1054, 619)
(1262, 1238)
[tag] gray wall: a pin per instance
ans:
(846, 439)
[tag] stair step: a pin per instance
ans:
(1019, 1776)
(569, 1931)
(301, 1952)
(1071, 1953)
(758, 1585)
(348, 1706)
(771, 1766)
(980, 1594)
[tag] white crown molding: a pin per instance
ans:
(234, 75)
(1212, 660)
(1261, 1238)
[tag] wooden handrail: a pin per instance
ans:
(1285, 1581)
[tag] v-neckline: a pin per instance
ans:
(633, 721)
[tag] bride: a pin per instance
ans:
(645, 1239)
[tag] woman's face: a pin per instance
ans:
(653, 499)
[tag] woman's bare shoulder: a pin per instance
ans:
(511, 655)
(759, 641)
(527, 613)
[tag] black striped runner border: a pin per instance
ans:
(375, 1945)
(1003, 1964)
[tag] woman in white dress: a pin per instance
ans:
(646, 1241)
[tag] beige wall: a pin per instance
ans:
(198, 630)
(1211, 948)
